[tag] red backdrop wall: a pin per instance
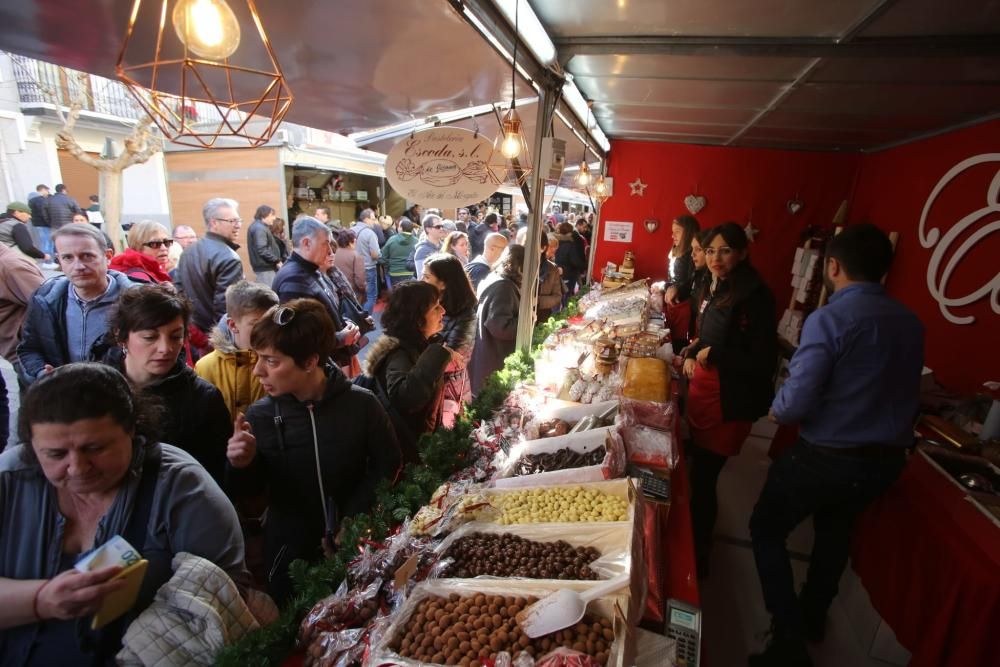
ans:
(889, 188)
(734, 181)
(893, 187)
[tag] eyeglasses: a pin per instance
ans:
(159, 243)
(724, 251)
(283, 316)
(232, 221)
(437, 226)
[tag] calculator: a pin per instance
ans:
(684, 627)
(653, 486)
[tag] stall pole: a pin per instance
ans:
(533, 250)
(596, 229)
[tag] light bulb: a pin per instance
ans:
(511, 145)
(600, 186)
(583, 178)
(208, 28)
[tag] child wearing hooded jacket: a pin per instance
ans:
(230, 366)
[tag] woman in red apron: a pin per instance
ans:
(676, 300)
(730, 369)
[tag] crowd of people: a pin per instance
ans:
(240, 399)
(168, 399)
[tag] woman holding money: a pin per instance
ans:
(89, 474)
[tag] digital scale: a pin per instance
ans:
(658, 488)
(684, 627)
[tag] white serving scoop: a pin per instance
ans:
(563, 608)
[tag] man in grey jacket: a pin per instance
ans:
(367, 247)
(211, 265)
(67, 314)
(60, 208)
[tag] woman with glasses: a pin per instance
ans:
(145, 343)
(316, 444)
(730, 369)
(147, 256)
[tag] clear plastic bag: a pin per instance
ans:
(646, 428)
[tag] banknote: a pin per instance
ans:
(116, 551)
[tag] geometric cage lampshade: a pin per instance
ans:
(188, 65)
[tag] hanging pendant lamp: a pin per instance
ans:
(583, 176)
(511, 156)
(200, 78)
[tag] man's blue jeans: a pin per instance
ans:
(371, 289)
(45, 238)
(833, 487)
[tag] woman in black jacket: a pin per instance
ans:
(447, 273)
(680, 271)
(571, 257)
(409, 361)
(730, 368)
(317, 445)
(146, 338)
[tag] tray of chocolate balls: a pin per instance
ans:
(561, 553)
(477, 624)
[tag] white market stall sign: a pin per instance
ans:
(619, 232)
(443, 167)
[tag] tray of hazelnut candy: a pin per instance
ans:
(472, 629)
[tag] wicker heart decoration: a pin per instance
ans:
(652, 224)
(794, 206)
(694, 203)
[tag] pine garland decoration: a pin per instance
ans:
(442, 453)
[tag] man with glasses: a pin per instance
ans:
(211, 265)
(431, 242)
(67, 314)
(303, 276)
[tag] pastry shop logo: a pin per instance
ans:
(443, 167)
(949, 251)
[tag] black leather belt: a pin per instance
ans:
(866, 452)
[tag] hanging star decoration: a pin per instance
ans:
(751, 232)
(638, 187)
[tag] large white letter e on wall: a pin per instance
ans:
(937, 278)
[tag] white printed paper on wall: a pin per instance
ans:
(618, 232)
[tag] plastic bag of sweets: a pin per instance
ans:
(343, 610)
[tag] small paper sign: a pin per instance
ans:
(443, 167)
(618, 232)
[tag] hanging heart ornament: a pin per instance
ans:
(694, 203)
(794, 206)
(651, 224)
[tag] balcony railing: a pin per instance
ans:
(40, 82)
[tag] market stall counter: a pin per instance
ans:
(575, 479)
(930, 561)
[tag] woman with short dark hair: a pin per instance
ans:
(730, 368)
(90, 468)
(409, 361)
(316, 445)
(147, 333)
(447, 273)
(496, 319)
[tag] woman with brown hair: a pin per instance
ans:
(317, 445)
(409, 361)
(457, 244)
(676, 300)
(147, 333)
(730, 368)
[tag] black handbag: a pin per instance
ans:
(351, 310)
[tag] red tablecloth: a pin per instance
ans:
(678, 542)
(930, 561)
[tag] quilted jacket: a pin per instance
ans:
(193, 616)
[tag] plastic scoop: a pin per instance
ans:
(563, 608)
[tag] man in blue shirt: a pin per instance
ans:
(367, 247)
(854, 389)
